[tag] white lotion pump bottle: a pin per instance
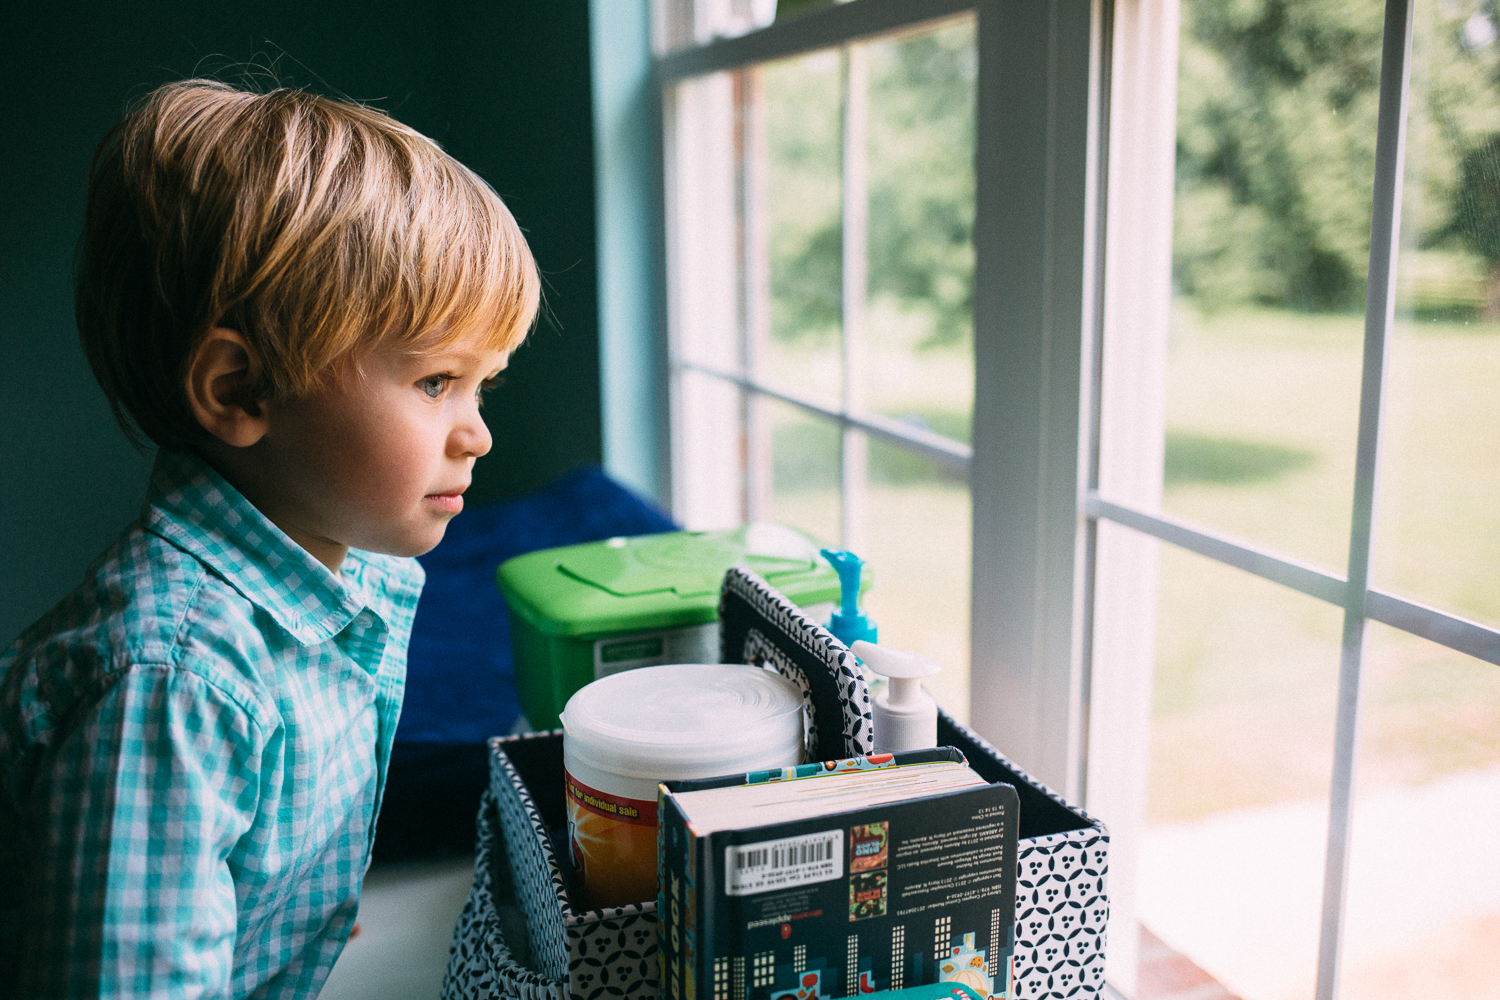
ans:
(904, 716)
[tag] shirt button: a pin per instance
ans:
(364, 619)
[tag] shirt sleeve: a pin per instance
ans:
(133, 819)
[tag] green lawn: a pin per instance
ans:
(1261, 417)
(1261, 426)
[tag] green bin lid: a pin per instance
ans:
(657, 581)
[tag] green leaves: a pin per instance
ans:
(920, 161)
(1276, 133)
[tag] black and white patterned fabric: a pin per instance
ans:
(1062, 911)
(608, 953)
(533, 866)
(612, 953)
(755, 619)
(480, 964)
(1062, 908)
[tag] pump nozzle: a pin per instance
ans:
(847, 624)
(904, 716)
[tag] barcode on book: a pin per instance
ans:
(780, 864)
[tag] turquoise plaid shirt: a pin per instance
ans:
(193, 746)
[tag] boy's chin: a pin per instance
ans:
(431, 540)
(411, 546)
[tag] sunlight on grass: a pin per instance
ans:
(1245, 683)
(1437, 539)
(1197, 458)
(1278, 390)
(1429, 710)
(1261, 439)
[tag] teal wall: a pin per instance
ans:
(632, 310)
(504, 85)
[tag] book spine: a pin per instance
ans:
(671, 897)
(698, 939)
(665, 950)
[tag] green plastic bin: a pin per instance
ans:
(581, 612)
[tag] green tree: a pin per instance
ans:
(802, 106)
(1276, 115)
(921, 234)
(1277, 109)
(1477, 216)
(921, 185)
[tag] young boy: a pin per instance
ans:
(300, 301)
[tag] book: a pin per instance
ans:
(838, 879)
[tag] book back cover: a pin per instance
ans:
(889, 897)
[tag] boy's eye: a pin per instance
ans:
(433, 385)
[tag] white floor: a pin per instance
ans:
(407, 912)
(1240, 892)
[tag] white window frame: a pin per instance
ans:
(1039, 77)
(1069, 392)
(1124, 488)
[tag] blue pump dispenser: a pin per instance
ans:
(847, 624)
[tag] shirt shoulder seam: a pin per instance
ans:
(178, 648)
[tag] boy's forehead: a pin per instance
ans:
(473, 348)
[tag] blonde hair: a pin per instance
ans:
(316, 228)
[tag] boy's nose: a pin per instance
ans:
(471, 437)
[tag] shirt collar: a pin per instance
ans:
(190, 505)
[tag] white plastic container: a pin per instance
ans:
(625, 733)
(903, 716)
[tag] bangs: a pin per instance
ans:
(464, 266)
(384, 241)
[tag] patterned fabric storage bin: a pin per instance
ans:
(519, 937)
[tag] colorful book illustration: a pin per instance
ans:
(966, 965)
(841, 879)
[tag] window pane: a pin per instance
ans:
(709, 442)
(845, 282)
(1276, 122)
(916, 537)
(1439, 537)
(1423, 914)
(804, 481)
(703, 203)
(802, 197)
(1241, 758)
(919, 333)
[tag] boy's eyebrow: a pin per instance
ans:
(455, 354)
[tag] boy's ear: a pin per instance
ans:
(220, 380)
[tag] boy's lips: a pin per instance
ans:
(452, 501)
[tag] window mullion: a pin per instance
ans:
(1380, 310)
(755, 286)
(855, 452)
(835, 24)
(1034, 120)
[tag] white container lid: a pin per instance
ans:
(685, 720)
